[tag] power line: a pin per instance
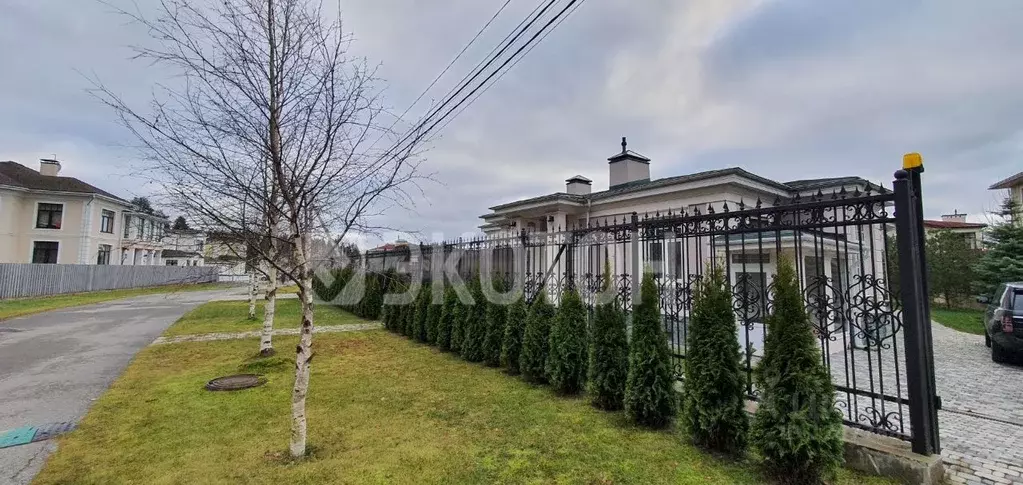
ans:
(445, 70)
(505, 63)
(512, 66)
(427, 119)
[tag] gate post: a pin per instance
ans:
(923, 414)
(637, 272)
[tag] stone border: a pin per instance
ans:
(209, 337)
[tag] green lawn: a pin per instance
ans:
(381, 410)
(233, 316)
(28, 306)
(963, 320)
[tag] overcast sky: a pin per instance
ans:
(787, 89)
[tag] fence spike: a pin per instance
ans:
(856, 192)
(842, 193)
(710, 209)
(869, 189)
(820, 194)
(742, 204)
(725, 206)
(834, 194)
(777, 200)
(759, 203)
(696, 211)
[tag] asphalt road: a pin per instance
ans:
(54, 365)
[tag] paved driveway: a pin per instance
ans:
(981, 420)
(54, 364)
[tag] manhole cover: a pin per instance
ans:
(235, 382)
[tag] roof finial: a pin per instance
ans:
(624, 144)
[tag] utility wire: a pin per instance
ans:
(445, 70)
(505, 63)
(516, 54)
(512, 66)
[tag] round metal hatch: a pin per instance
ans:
(235, 382)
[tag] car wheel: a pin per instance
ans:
(987, 340)
(998, 354)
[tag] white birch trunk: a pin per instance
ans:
(304, 352)
(252, 295)
(266, 347)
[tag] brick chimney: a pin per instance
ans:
(955, 216)
(49, 167)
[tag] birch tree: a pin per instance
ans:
(269, 119)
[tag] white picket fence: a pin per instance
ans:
(28, 280)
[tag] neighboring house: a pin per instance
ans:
(1014, 185)
(49, 219)
(227, 252)
(972, 232)
(184, 247)
(388, 255)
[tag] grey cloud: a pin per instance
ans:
(787, 89)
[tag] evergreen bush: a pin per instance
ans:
(445, 323)
(421, 310)
(535, 340)
(609, 354)
(796, 430)
(566, 358)
(457, 326)
(649, 388)
(495, 322)
(714, 392)
(474, 324)
(515, 324)
(433, 315)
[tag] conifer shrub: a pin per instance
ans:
(536, 339)
(566, 358)
(421, 312)
(796, 430)
(514, 326)
(649, 388)
(714, 392)
(609, 353)
(445, 323)
(474, 325)
(495, 321)
(433, 321)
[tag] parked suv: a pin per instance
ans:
(1003, 322)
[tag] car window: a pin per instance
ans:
(1017, 302)
(999, 297)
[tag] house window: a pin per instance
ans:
(106, 222)
(172, 262)
(50, 216)
(103, 256)
(44, 252)
(127, 225)
(751, 258)
(655, 257)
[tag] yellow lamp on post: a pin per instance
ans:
(913, 161)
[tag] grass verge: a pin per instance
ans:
(381, 410)
(963, 320)
(28, 306)
(233, 316)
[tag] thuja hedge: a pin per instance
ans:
(796, 430)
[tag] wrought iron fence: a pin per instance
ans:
(839, 242)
